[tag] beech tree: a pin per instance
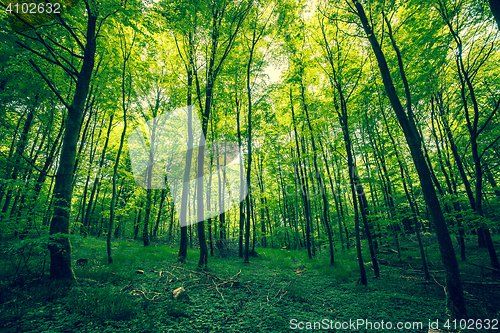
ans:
(407, 122)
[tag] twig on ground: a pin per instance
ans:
(280, 298)
(198, 273)
(219, 292)
(137, 291)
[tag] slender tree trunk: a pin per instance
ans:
(242, 182)
(410, 201)
(303, 183)
(158, 217)
(20, 147)
(249, 145)
(125, 104)
(263, 239)
(319, 179)
(97, 183)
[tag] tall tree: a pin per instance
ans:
(60, 248)
(126, 52)
(455, 297)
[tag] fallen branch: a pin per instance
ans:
(490, 268)
(198, 273)
(232, 277)
(219, 292)
(280, 298)
(137, 291)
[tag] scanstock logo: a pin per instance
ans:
(158, 150)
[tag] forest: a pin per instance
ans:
(249, 165)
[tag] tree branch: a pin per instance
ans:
(49, 83)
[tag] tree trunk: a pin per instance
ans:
(304, 191)
(125, 105)
(158, 217)
(495, 9)
(318, 178)
(60, 249)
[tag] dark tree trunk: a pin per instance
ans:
(304, 191)
(97, 183)
(319, 179)
(242, 182)
(495, 9)
(158, 217)
(20, 147)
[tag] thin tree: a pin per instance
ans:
(126, 52)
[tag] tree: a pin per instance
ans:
(60, 249)
(455, 297)
(126, 93)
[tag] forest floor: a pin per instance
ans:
(279, 291)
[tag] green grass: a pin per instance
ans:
(102, 304)
(229, 296)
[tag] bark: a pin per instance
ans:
(138, 222)
(209, 195)
(249, 165)
(262, 204)
(334, 195)
(158, 217)
(249, 147)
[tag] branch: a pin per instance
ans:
(70, 30)
(489, 118)
(35, 167)
(491, 268)
(55, 62)
(49, 83)
(489, 146)
(73, 54)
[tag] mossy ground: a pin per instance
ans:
(230, 296)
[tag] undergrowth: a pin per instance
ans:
(136, 292)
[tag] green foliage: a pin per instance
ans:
(30, 256)
(102, 304)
